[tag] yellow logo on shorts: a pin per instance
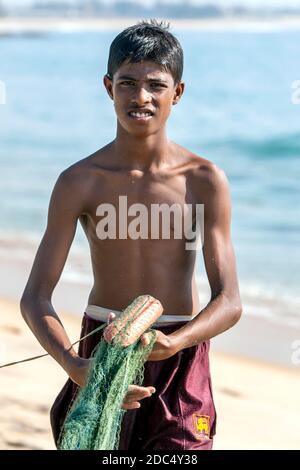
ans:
(201, 426)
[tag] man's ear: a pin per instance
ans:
(107, 81)
(179, 89)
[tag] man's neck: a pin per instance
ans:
(149, 153)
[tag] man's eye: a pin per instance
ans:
(153, 85)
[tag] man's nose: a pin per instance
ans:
(141, 96)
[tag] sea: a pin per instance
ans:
(240, 109)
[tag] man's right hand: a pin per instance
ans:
(78, 370)
(78, 373)
(135, 393)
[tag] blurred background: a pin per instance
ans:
(240, 109)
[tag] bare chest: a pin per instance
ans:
(142, 207)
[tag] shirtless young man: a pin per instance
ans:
(144, 76)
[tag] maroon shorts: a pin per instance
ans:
(179, 415)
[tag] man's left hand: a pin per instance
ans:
(164, 347)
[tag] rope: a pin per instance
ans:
(47, 354)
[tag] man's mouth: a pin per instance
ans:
(140, 115)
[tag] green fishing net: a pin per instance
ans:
(94, 419)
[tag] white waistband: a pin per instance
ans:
(101, 314)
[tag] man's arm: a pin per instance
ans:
(224, 308)
(37, 310)
(66, 205)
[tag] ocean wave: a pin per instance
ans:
(275, 302)
(280, 305)
(285, 146)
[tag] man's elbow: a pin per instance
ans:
(28, 304)
(236, 312)
(32, 301)
(25, 303)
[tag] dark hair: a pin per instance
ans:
(147, 40)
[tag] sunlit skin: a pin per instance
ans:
(142, 163)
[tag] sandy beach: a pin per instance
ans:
(240, 80)
(257, 403)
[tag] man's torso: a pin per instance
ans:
(125, 266)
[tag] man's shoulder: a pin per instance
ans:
(203, 171)
(208, 182)
(209, 174)
(84, 170)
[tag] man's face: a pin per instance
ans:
(143, 95)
